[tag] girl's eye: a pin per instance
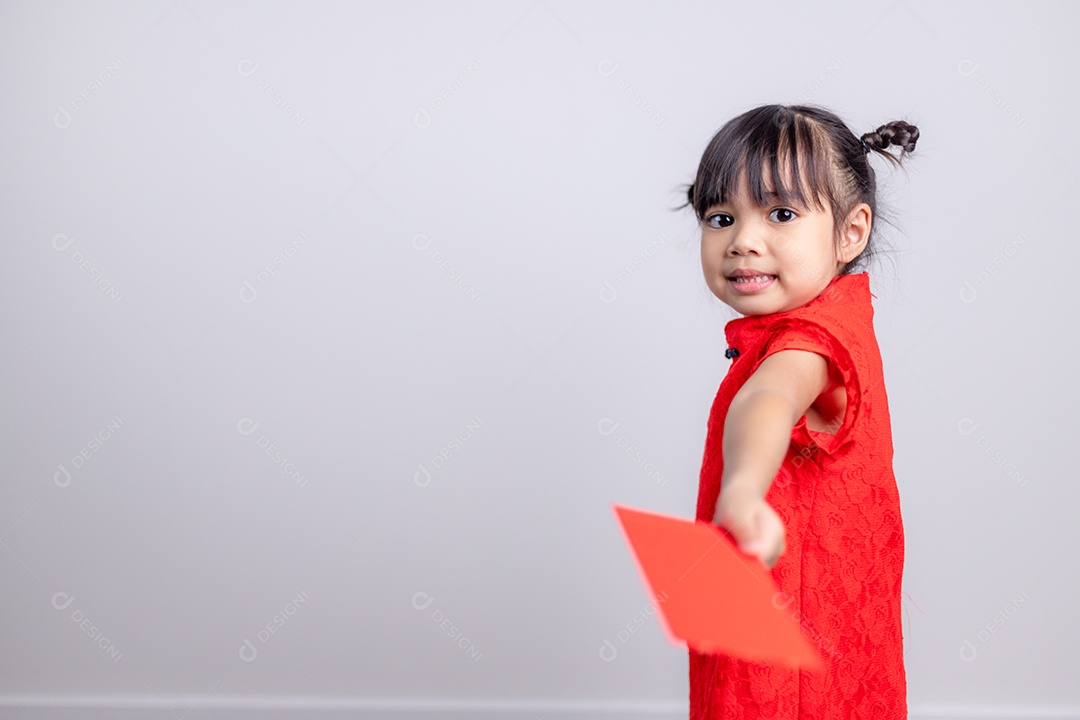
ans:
(723, 218)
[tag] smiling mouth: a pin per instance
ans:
(751, 278)
(750, 284)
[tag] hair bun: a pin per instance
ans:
(896, 132)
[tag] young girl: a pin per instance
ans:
(798, 454)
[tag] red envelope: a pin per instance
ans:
(712, 595)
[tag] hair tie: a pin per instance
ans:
(865, 147)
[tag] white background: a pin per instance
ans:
(314, 314)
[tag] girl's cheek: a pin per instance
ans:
(790, 242)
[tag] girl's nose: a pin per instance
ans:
(746, 240)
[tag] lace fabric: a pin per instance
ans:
(840, 576)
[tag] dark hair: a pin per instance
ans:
(835, 160)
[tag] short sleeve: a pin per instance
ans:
(807, 335)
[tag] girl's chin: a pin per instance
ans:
(752, 304)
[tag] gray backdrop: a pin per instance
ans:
(332, 331)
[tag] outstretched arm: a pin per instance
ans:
(757, 432)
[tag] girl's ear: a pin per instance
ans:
(856, 233)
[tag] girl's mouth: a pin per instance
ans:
(753, 284)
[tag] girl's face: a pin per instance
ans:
(792, 245)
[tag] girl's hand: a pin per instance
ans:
(757, 529)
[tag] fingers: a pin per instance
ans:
(774, 558)
(778, 544)
(738, 511)
(757, 529)
(751, 538)
(772, 540)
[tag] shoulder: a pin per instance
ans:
(800, 375)
(837, 374)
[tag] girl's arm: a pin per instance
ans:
(757, 433)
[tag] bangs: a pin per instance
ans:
(771, 145)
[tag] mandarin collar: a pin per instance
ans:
(849, 294)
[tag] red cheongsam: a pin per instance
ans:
(840, 574)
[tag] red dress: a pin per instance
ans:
(836, 494)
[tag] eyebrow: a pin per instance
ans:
(769, 195)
